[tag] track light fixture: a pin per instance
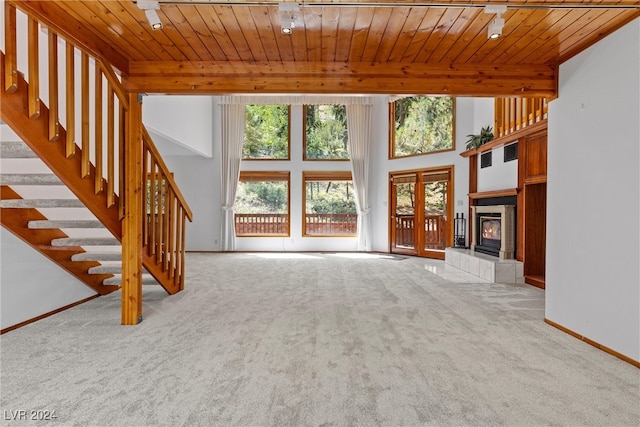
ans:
(150, 10)
(287, 16)
(495, 27)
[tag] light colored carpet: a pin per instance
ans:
(318, 340)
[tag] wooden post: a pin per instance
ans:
(54, 120)
(133, 215)
(11, 49)
(34, 72)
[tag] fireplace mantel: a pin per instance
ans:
(495, 193)
(507, 229)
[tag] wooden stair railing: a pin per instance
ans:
(513, 114)
(111, 165)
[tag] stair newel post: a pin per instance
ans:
(133, 215)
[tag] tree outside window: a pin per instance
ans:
(422, 125)
(262, 204)
(329, 204)
(266, 135)
(325, 135)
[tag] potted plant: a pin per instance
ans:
(476, 140)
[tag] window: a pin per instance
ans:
(422, 125)
(329, 204)
(266, 132)
(325, 132)
(262, 204)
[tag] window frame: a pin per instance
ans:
(270, 159)
(268, 176)
(304, 138)
(392, 129)
(322, 176)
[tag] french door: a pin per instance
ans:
(421, 212)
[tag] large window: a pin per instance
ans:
(325, 132)
(422, 125)
(262, 204)
(329, 204)
(266, 135)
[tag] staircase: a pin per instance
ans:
(37, 205)
(85, 186)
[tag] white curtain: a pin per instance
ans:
(232, 139)
(359, 131)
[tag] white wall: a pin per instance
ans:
(181, 120)
(31, 285)
(500, 175)
(199, 181)
(483, 111)
(593, 252)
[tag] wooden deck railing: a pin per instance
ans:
(434, 231)
(278, 224)
(513, 114)
(331, 224)
(113, 145)
(404, 232)
(259, 224)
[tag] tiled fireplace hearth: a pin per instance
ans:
(486, 267)
(491, 256)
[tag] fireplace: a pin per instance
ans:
(493, 230)
(489, 239)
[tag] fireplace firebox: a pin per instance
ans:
(493, 230)
(489, 234)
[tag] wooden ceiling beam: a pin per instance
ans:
(353, 78)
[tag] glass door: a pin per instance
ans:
(436, 219)
(420, 212)
(403, 210)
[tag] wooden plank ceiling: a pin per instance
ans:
(369, 46)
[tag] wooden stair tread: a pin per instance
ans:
(97, 256)
(29, 179)
(40, 203)
(66, 224)
(16, 150)
(85, 241)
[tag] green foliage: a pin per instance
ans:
(326, 132)
(435, 198)
(266, 133)
(422, 125)
(476, 140)
(405, 198)
(330, 197)
(261, 197)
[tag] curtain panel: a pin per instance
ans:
(359, 132)
(232, 139)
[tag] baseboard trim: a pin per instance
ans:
(51, 313)
(599, 346)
